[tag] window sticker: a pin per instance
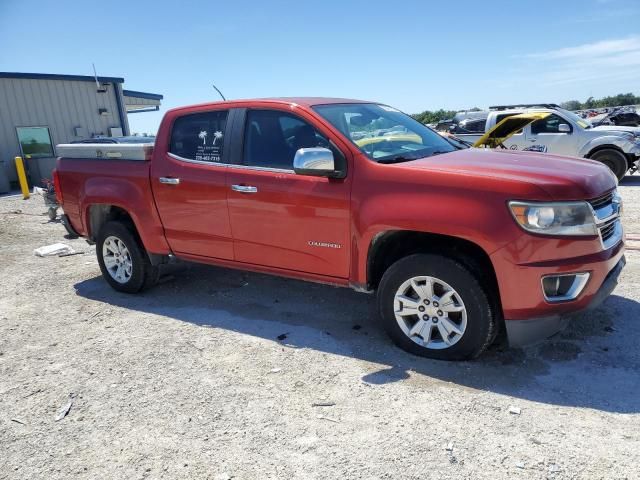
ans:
(210, 151)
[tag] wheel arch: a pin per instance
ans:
(389, 246)
(100, 213)
(599, 148)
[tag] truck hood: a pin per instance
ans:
(562, 178)
(616, 128)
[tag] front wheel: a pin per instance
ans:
(433, 306)
(123, 261)
(613, 159)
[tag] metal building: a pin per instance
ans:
(39, 111)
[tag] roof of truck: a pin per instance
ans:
(304, 101)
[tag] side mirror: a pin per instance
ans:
(317, 162)
(564, 128)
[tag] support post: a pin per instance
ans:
(22, 178)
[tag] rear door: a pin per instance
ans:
(189, 185)
(281, 219)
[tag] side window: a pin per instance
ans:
(273, 137)
(501, 117)
(547, 125)
(473, 126)
(199, 136)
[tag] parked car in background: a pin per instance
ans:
(460, 244)
(562, 133)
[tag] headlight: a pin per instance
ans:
(567, 218)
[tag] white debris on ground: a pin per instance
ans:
(181, 381)
(54, 249)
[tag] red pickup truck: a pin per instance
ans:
(459, 244)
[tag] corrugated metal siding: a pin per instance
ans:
(60, 105)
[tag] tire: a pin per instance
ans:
(122, 245)
(615, 160)
(476, 321)
(52, 212)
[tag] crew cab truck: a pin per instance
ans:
(458, 244)
(562, 133)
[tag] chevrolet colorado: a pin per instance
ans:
(459, 244)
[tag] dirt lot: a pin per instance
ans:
(189, 380)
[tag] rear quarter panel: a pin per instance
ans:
(121, 183)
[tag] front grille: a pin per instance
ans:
(602, 201)
(608, 230)
(607, 212)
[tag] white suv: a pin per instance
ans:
(562, 133)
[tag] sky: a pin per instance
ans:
(414, 55)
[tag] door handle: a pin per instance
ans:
(170, 180)
(533, 139)
(244, 188)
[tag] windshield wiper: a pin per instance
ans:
(396, 159)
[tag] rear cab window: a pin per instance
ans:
(199, 137)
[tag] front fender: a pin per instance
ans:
(615, 141)
(482, 220)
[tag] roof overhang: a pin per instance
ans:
(53, 76)
(136, 102)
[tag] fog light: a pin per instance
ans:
(562, 288)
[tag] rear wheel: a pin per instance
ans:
(433, 306)
(122, 259)
(615, 160)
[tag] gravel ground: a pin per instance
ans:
(217, 374)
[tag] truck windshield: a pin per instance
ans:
(384, 134)
(584, 123)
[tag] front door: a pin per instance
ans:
(546, 133)
(281, 219)
(189, 186)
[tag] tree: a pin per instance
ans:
(571, 105)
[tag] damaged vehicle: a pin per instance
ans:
(562, 132)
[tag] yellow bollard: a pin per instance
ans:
(22, 178)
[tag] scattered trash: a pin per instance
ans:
(323, 404)
(54, 249)
(553, 468)
(275, 370)
(33, 393)
(65, 409)
(69, 254)
(322, 417)
(18, 421)
(515, 410)
(449, 447)
(519, 465)
(282, 336)
(356, 327)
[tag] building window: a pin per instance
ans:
(35, 142)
